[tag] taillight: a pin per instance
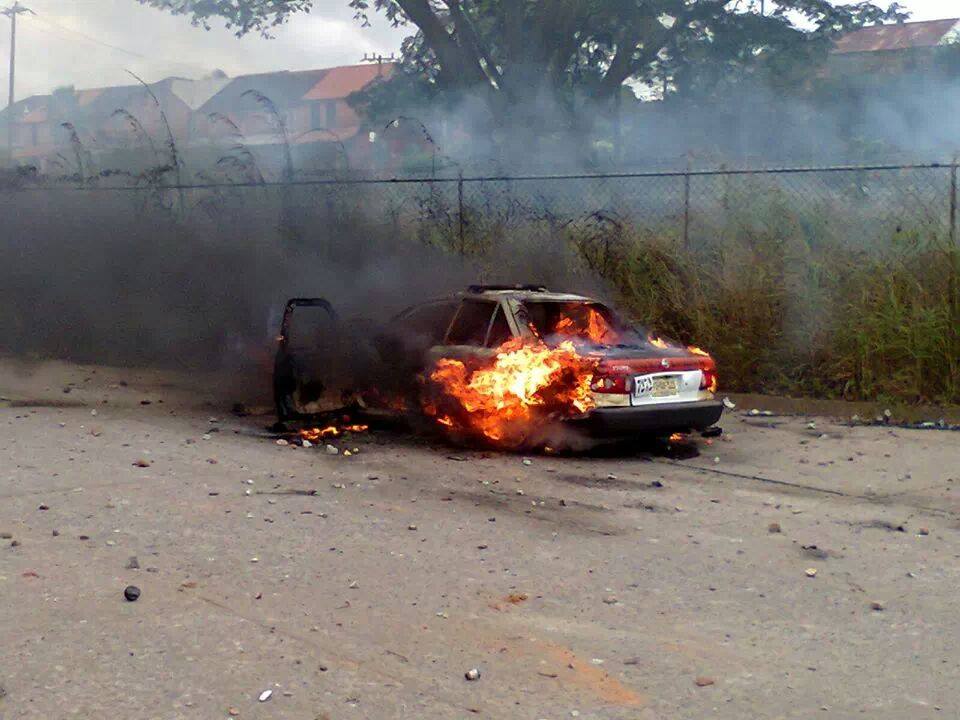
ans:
(610, 384)
(709, 379)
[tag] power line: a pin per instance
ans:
(89, 38)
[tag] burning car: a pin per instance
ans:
(510, 365)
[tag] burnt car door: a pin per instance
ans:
(309, 355)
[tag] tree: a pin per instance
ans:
(515, 55)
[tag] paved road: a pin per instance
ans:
(598, 587)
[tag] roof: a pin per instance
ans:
(525, 295)
(283, 88)
(902, 36)
(341, 82)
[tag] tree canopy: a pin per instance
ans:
(516, 55)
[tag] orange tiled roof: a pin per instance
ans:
(896, 37)
(340, 82)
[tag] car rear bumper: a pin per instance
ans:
(661, 418)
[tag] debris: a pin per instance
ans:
(811, 572)
(282, 443)
(265, 695)
(923, 531)
(354, 585)
(754, 412)
(254, 559)
(774, 527)
(133, 563)
(141, 463)
(876, 606)
(610, 600)
(456, 458)
(472, 674)
(43, 507)
(411, 527)
(6, 536)
(347, 453)
(729, 404)
(633, 661)
(527, 461)
(704, 681)
(14, 543)
(716, 461)
(233, 712)
(331, 450)
(815, 552)
(131, 593)
(306, 444)
(339, 486)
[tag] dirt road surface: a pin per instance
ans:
(633, 584)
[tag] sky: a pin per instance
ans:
(91, 43)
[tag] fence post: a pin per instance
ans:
(953, 201)
(686, 207)
(460, 213)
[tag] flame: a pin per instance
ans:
(698, 351)
(591, 325)
(677, 438)
(658, 342)
(523, 387)
(315, 434)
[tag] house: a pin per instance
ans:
(896, 48)
(121, 128)
(104, 121)
(309, 107)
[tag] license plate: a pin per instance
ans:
(657, 387)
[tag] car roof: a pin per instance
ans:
(526, 295)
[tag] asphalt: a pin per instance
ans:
(782, 571)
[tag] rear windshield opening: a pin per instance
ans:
(586, 322)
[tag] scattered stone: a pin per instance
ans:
(633, 661)
(610, 600)
(716, 461)
(877, 606)
(774, 527)
(141, 463)
(282, 443)
(923, 531)
(729, 404)
(6, 536)
(472, 674)
(265, 695)
(527, 461)
(811, 572)
(131, 593)
(354, 585)
(332, 450)
(814, 552)
(704, 681)
(43, 507)
(411, 527)
(307, 444)
(339, 486)
(233, 712)
(456, 458)
(347, 453)
(14, 543)
(133, 563)
(55, 533)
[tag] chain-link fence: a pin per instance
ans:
(696, 208)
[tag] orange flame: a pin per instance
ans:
(590, 326)
(698, 351)
(315, 434)
(523, 387)
(658, 342)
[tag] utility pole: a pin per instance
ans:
(12, 12)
